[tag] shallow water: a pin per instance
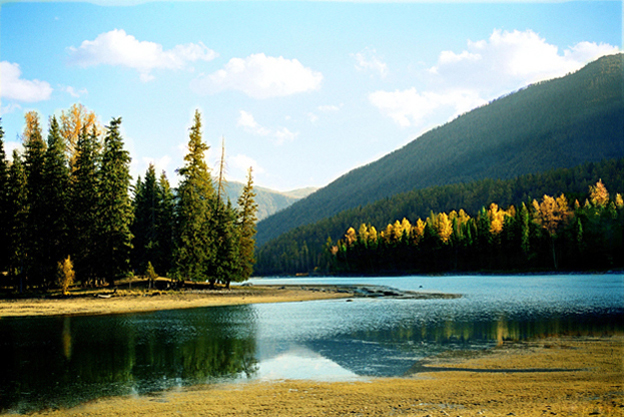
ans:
(63, 361)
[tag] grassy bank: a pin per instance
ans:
(590, 385)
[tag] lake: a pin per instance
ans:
(64, 361)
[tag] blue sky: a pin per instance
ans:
(302, 91)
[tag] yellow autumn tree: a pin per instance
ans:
(72, 122)
(417, 232)
(444, 227)
(598, 194)
(549, 214)
(350, 237)
(65, 275)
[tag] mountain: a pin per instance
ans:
(558, 123)
(269, 201)
(302, 249)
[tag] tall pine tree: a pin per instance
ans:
(4, 212)
(56, 200)
(16, 221)
(165, 222)
(145, 226)
(115, 206)
(246, 222)
(194, 250)
(84, 207)
(35, 149)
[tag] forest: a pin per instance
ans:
(559, 123)
(70, 213)
(304, 249)
(555, 233)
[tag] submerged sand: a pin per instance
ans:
(588, 381)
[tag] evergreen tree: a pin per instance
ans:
(246, 222)
(34, 160)
(226, 267)
(164, 226)
(84, 207)
(16, 220)
(194, 250)
(4, 210)
(115, 206)
(56, 201)
(145, 225)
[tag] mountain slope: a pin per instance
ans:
(558, 123)
(269, 201)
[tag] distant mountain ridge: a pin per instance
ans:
(558, 123)
(269, 201)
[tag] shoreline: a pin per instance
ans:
(126, 301)
(469, 384)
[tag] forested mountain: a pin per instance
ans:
(269, 201)
(558, 123)
(304, 248)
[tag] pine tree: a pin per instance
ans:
(84, 207)
(165, 222)
(194, 249)
(16, 220)
(144, 228)
(55, 200)
(115, 206)
(34, 160)
(4, 210)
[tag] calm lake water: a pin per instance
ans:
(64, 361)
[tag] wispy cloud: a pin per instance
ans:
(280, 134)
(367, 60)
(260, 76)
(117, 48)
(14, 87)
(485, 70)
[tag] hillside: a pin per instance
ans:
(269, 201)
(558, 123)
(301, 249)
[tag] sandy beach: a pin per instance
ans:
(140, 300)
(588, 380)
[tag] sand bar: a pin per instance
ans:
(596, 389)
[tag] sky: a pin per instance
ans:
(301, 91)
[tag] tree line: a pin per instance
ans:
(302, 250)
(67, 203)
(553, 233)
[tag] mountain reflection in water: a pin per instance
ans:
(64, 361)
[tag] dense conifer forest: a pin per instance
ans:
(306, 249)
(560, 123)
(70, 213)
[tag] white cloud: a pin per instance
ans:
(241, 163)
(13, 87)
(118, 48)
(284, 135)
(487, 69)
(509, 60)
(247, 121)
(368, 60)
(260, 76)
(280, 134)
(73, 92)
(411, 108)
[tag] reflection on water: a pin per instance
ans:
(63, 361)
(54, 362)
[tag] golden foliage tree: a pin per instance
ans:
(598, 194)
(65, 275)
(73, 121)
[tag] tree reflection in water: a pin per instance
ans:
(61, 362)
